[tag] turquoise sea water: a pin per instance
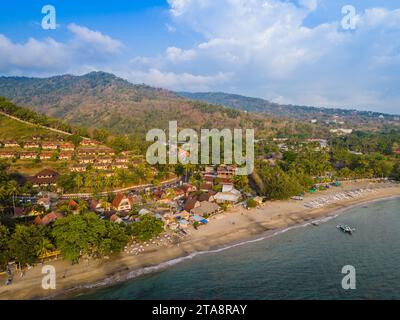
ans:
(302, 263)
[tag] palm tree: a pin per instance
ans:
(44, 247)
(78, 181)
(82, 207)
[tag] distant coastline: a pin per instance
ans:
(233, 228)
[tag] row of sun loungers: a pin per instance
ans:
(324, 201)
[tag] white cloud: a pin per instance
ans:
(270, 52)
(175, 54)
(48, 56)
(87, 37)
(175, 81)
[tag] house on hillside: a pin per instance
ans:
(105, 160)
(31, 145)
(100, 166)
(50, 145)
(7, 154)
(119, 166)
(45, 155)
(11, 144)
(86, 160)
(26, 155)
(65, 156)
(45, 178)
(78, 168)
(67, 146)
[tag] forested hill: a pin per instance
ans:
(294, 111)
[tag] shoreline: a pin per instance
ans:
(233, 228)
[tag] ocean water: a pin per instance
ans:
(301, 263)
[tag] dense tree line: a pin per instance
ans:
(76, 236)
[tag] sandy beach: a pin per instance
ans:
(233, 226)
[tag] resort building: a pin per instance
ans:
(45, 178)
(65, 156)
(7, 155)
(49, 145)
(78, 168)
(86, 160)
(11, 144)
(67, 146)
(45, 155)
(28, 155)
(31, 145)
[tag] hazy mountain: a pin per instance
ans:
(264, 106)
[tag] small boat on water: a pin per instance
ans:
(345, 228)
(314, 223)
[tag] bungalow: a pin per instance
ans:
(11, 144)
(105, 151)
(119, 166)
(67, 147)
(7, 154)
(122, 203)
(28, 155)
(49, 145)
(190, 204)
(86, 160)
(45, 155)
(65, 156)
(228, 195)
(87, 152)
(45, 178)
(48, 219)
(105, 160)
(78, 168)
(31, 145)
(121, 160)
(44, 202)
(88, 142)
(206, 208)
(100, 166)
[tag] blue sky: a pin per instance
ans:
(286, 51)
